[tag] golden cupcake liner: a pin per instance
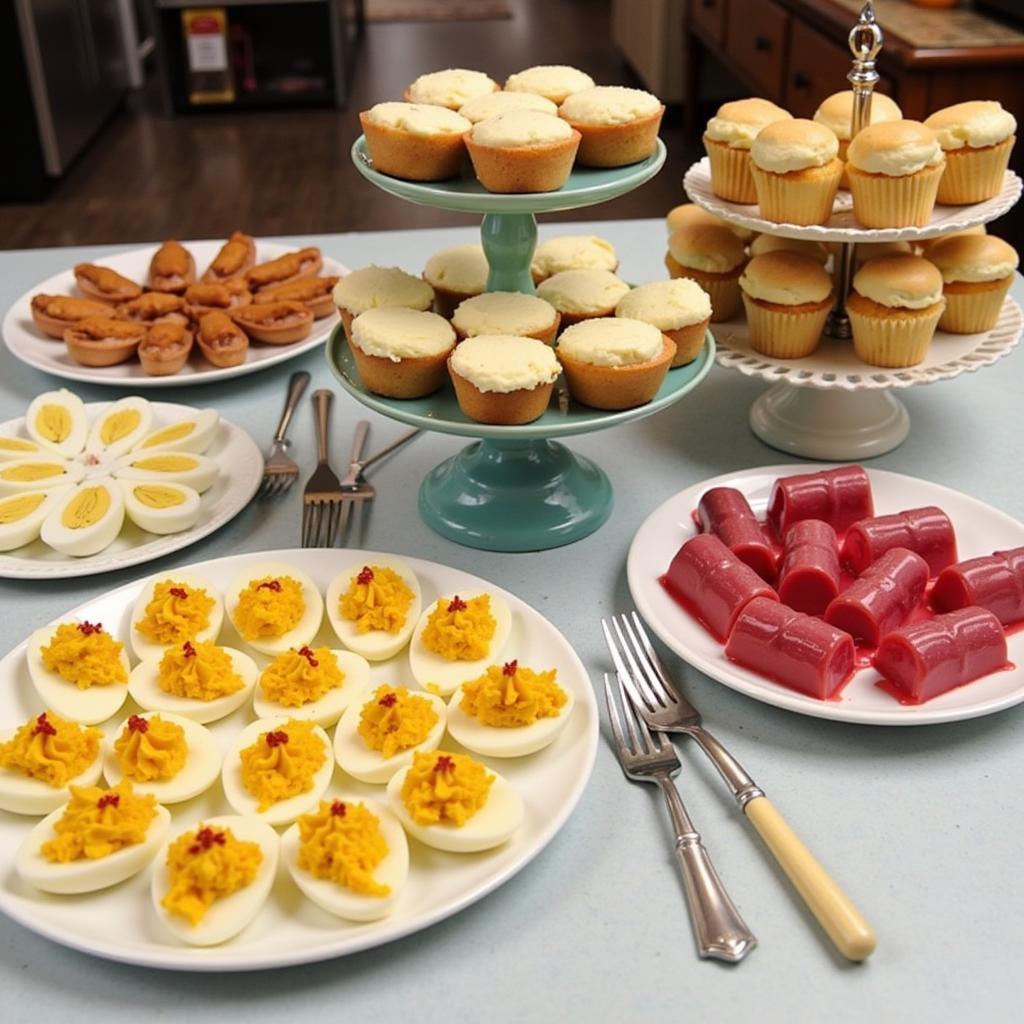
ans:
(973, 312)
(730, 172)
(689, 342)
(881, 201)
(796, 200)
(894, 341)
(782, 335)
(974, 175)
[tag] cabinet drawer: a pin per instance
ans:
(756, 40)
(708, 16)
(817, 68)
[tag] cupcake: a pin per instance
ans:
(894, 307)
(894, 171)
(687, 214)
(506, 313)
(552, 81)
(713, 257)
(582, 294)
(865, 251)
(977, 271)
(618, 126)
(776, 243)
(572, 252)
(836, 112)
(796, 172)
(926, 243)
(452, 88)
(977, 138)
(482, 107)
(728, 138)
(373, 286)
(522, 151)
(614, 363)
(415, 141)
(456, 274)
(503, 379)
(401, 353)
(787, 296)
(680, 309)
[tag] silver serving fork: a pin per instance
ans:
(321, 500)
(663, 707)
(650, 757)
(279, 471)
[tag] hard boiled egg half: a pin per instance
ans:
(22, 516)
(33, 472)
(57, 420)
(325, 710)
(187, 468)
(191, 433)
(85, 521)
(142, 645)
(160, 507)
(120, 427)
(265, 575)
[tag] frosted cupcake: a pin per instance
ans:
(977, 138)
(503, 379)
(865, 251)
(836, 112)
(372, 287)
(680, 309)
(977, 271)
(713, 257)
(572, 252)
(482, 107)
(728, 138)
(582, 294)
(552, 81)
(415, 141)
(401, 353)
(687, 214)
(926, 243)
(506, 313)
(776, 243)
(618, 126)
(451, 88)
(522, 151)
(796, 172)
(456, 274)
(894, 307)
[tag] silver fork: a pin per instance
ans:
(321, 500)
(663, 707)
(279, 471)
(645, 757)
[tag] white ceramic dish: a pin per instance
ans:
(119, 925)
(27, 343)
(241, 470)
(980, 529)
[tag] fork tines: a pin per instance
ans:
(321, 515)
(633, 738)
(637, 663)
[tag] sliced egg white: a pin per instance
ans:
(85, 521)
(85, 875)
(227, 916)
(18, 448)
(327, 710)
(200, 771)
(368, 765)
(120, 426)
(284, 811)
(22, 515)
(187, 468)
(57, 420)
(144, 688)
(304, 630)
(341, 901)
(191, 433)
(22, 794)
(442, 676)
(40, 472)
(160, 507)
(495, 822)
(87, 707)
(146, 648)
(377, 645)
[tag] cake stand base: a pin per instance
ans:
(832, 425)
(515, 495)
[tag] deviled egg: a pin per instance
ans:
(191, 433)
(85, 521)
(57, 420)
(274, 607)
(160, 507)
(174, 607)
(22, 515)
(186, 468)
(37, 471)
(120, 426)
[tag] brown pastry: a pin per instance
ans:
(150, 307)
(54, 313)
(102, 283)
(204, 297)
(221, 340)
(290, 267)
(236, 256)
(172, 268)
(315, 292)
(165, 348)
(102, 341)
(277, 323)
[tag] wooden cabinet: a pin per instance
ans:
(710, 16)
(755, 39)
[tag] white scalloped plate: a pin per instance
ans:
(842, 226)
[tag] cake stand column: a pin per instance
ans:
(509, 240)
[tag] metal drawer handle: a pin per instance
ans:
(801, 81)
(762, 43)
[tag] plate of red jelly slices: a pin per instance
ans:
(885, 596)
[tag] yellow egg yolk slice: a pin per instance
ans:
(512, 695)
(301, 676)
(51, 749)
(15, 509)
(282, 763)
(150, 749)
(269, 606)
(198, 671)
(342, 843)
(29, 472)
(85, 654)
(460, 630)
(157, 496)
(175, 613)
(119, 424)
(166, 463)
(177, 432)
(377, 598)
(53, 422)
(442, 788)
(395, 720)
(98, 822)
(86, 508)
(15, 444)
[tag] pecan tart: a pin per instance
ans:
(221, 340)
(289, 267)
(102, 283)
(165, 348)
(315, 292)
(54, 313)
(209, 297)
(150, 307)
(277, 323)
(172, 268)
(102, 341)
(236, 256)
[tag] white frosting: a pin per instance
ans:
(451, 88)
(738, 123)
(973, 258)
(794, 289)
(573, 252)
(609, 104)
(462, 268)
(893, 150)
(482, 107)
(505, 363)
(889, 292)
(397, 333)
(583, 291)
(418, 118)
(794, 146)
(517, 128)
(975, 124)
(503, 313)
(553, 81)
(372, 286)
(667, 305)
(611, 341)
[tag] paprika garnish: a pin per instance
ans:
(179, 592)
(188, 649)
(44, 727)
(338, 809)
(389, 700)
(274, 585)
(88, 628)
(365, 576)
(108, 800)
(457, 604)
(205, 839)
(307, 653)
(277, 738)
(509, 668)
(136, 723)
(444, 764)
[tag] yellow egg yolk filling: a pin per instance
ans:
(98, 822)
(207, 865)
(15, 509)
(511, 696)
(119, 425)
(445, 789)
(282, 763)
(175, 613)
(460, 630)
(51, 749)
(198, 671)
(377, 599)
(85, 655)
(166, 463)
(395, 720)
(54, 423)
(29, 472)
(178, 432)
(342, 843)
(158, 496)
(150, 749)
(269, 606)
(86, 508)
(301, 676)
(16, 444)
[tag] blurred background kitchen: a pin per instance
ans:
(134, 120)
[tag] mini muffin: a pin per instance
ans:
(894, 307)
(522, 151)
(552, 81)
(101, 341)
(150, 307)
(172, 268)
(451, 88)
(527, 316)
(104, 284)
(977, 138)
(614, 363)
(582, 294)
(53, 314)
(572, 252)
(276, 323)
(208, 296)
(713, 257)
(316, 293)
(456, 274)
(836, 112)
(787, 296)
(680, 309)
(618, 126)
(796, 172)
(774, 243)
(372, 286)
(503, 379)
(482, 107)
(221, 340)
(686, 214)
(728, 138)
(165, 348)
(415, 141)
(235, 257)
(401, 353)
(894, 170)
(977, 271)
